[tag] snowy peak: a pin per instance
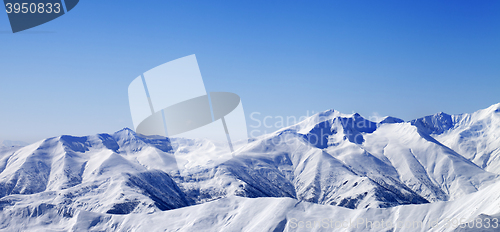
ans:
(83, 144)
(124, 134)
(441, 122)
(492, 110)
(476, 136)
(131, 141)
(434, 124)
(343, 127)
(390, 119)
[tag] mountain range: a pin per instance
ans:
(9, 143)
(329, 168)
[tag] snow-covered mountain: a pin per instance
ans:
(475, 136)
(331, 165)
(9, 143)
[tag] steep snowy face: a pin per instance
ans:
(351, 128)
(434, 124)
(324, 129)
(475, 136)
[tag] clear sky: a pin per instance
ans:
(284, 58)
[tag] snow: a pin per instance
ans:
(337, 166)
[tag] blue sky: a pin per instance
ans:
(284, 58)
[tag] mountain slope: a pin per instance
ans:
(263, 214)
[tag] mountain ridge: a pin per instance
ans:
(332, 159)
